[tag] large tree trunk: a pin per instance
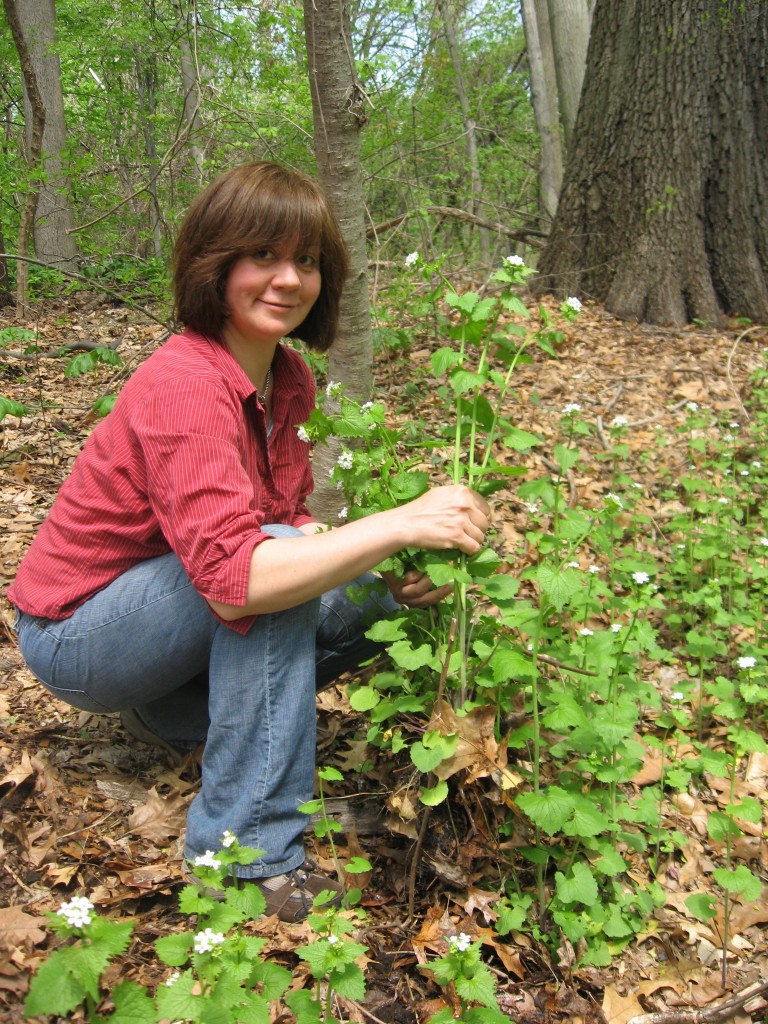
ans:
(54, 220)
(543, 85)
(339, 108)
(663, 215)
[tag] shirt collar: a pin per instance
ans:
(286, 372)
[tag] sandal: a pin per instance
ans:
(289, 896)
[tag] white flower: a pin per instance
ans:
(302, 434)
(614, 499)
(533, 508)
(514, 261)
(207, 940)
(692, 406)
(207, 860)
(366, 406)
(764, 542)
(460, 942)
(229, 839)
(571, 408)
(411, 258)
(615, 627)
(728, 437)
(619, 421)
(747, 662)
(77, 913)
(677, 695)
(572, 565)
(640, 577)
(593, 569)
(333, 388)
(344, 460)
(343, 513)
(173, 979)
(586, 632)
(333, 939)
(744, 472)
(574, 303)
(757, 464)
(723, 501)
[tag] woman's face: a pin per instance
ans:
(269, 294)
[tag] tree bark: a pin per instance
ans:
(191, 86)
(54, 221)
(543, 83)
(663, 215)
(569, 22)
(339, 111)
(35, 126)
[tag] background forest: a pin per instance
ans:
(549, 799)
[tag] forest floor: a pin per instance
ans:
(87, 810)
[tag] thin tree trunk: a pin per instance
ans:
(470, 127)
(339, 110)
(54, 220)
(543, 82)
(145, 78)
(190, 84)
(34, 153)
(569, 22)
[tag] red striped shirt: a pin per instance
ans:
(183, 464)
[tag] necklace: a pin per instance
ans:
(267, 381)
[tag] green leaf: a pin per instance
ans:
(465, 381)
(10, 408)
(174, 949)
(357, 866)
(408, 657)
(519, 440)
(307, 1010)
(558, 586)
(364, 698)
(579, 887)
(739, 881)
(386, 631)
(349, 981)
(248, 899)
(103, 406)
(702, 905)
(443, 359)
(436, 795)
(53, 991)
(133, 1004)
(565, 458)
(177, 1002)
(330, 774)
(480, 988)
(549, 809)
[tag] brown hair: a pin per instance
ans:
(248, 208)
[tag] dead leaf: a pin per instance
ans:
(19, 930)
(158, 818)
(618, 1009)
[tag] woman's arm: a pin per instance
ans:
(286, 572)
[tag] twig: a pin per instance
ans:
(713, 1014)
(730, 360)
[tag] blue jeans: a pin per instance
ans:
(149, 641)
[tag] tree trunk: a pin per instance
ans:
(543, 84)
(191, 86)
(145, 77)
(569, 22)
(35, 126)
(339, 109)
(470, 127)
(6, 299)
(663, 215)
(54, 221)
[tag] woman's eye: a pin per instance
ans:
(307, 260)
(263, 254)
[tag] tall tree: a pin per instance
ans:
(663, 214)
(569, 22)
(340, 111)
(54, 219)
(543, 85)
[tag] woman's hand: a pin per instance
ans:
(415, 589)
(447, 517)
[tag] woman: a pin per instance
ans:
(180, 577)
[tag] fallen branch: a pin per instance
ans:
(709, 1016)
(528, 235)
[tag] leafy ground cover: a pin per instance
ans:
(648, 473)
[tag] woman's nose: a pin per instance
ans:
(286, 274)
